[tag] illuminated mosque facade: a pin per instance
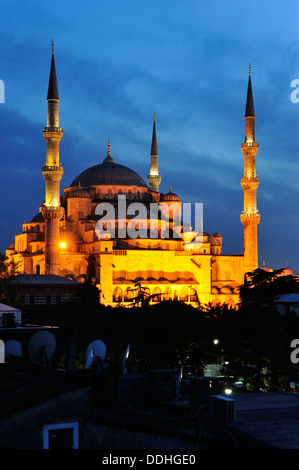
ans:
(64, 238)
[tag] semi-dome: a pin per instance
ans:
(78, 192)
(109, 173)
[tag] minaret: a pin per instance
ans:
(52, 172)
(154, 178)
(250, 216)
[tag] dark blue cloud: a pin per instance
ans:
(118, 63)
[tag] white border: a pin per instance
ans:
(65, 425)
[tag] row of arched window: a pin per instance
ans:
(131, 195)
(184, 294)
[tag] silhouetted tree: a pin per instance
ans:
(8, 271)
(261, 287)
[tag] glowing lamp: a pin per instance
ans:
(62, 244)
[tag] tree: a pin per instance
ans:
(263, 287)
(142, 297)
(8, 271)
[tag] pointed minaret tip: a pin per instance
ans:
(154, 147)
(249, 111)
(53, 87)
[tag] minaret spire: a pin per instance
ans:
(154, 178)
(52, 172)
(249, 111)
(53, 87)
(250, 217)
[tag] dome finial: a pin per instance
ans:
(108, 159)
(52, 46)
(170, 189)
(249, 70)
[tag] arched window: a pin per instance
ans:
(184, 294)
(129, 294)
(157, 297)
(117, 295)
(175, 295)
(167, 294)
(193, 295)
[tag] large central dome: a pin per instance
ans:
(109, 173)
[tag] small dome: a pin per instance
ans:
(217, 234)
(170, 196)
(37, 218)
(264, 268)
(78, 192)
(288, 272)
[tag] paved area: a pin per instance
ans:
(271, 418)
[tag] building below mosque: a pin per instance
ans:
(83, 234)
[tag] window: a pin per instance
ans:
(184, 294)
(157, 296)
(129, 295)
(61, 436)
(167, 294)
(193, 295)
(117, 295)
(48, 299)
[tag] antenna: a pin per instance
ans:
(89, 359)
(41, 347)
(96, 349)
(13, 348)
(125, 358)
(179, 382)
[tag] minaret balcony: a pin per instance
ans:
(52, 168)
(250, 183)
(252, 218)
(249, 144)
(53, 129)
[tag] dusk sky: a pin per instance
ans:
(119, 62)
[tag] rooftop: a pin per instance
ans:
(43, 279)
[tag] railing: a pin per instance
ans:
(52, 129)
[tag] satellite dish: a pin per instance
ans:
(125, 358)
(89, 358)
(99, 349)
(13, 348)
(42, 346)
(179, 382)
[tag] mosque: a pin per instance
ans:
(69, 238)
